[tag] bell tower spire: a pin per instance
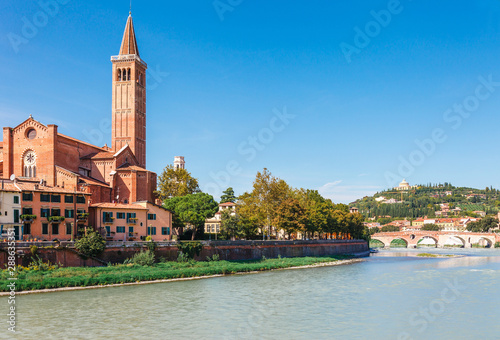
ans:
(129, 96)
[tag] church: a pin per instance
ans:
(37, 158)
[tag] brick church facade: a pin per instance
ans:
(39, 154)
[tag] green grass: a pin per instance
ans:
(433, 255)
(91, 276)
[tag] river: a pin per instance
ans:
(389, 296)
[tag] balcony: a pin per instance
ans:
(132, 220)
(56, 219)
(83, 217)
(27, 218)
(108, 220)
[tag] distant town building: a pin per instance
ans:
(354, 210)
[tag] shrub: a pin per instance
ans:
(497, 244)
(92, 245)
(190, 248)
(144, 258)
(33, 249)
(151, 246)
(37, 264)
(149, 239)
(214, 258)
(182, 257)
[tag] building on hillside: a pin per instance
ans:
(404, 186)
(38, 154)
(354, 210)
(212, 225)
(10, 210)
(372, 225)
(480, 213)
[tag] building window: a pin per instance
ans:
(120, 230)
(27, 229)
(69, 229)
(108, 231)
(152, 217)
(16, 216)
(130, 231)
(165, 230)
(151, 230)
(107, 217)
(44, 212)
(44, 198)
(55, 212)
(69, 213)
(27, 211)
(68, 199)
(80, 199)
(27, 196)
(16, 199)
(120, 216)
(56, 198)
(55, 229)
(45, 228)
(29, 161)
(131, 218)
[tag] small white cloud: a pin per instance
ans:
(346, 193)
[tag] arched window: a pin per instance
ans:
(29, 161)
(128, 77)
(119, 75)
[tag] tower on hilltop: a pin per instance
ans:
(129, 97)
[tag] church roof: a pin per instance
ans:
(118, 206)
(128, 167)
(129, 42)
(99, 155)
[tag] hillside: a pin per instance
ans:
(427, 200)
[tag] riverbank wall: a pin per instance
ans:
(226, 250)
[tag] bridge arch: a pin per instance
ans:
(398, 242)
(423, 241)
(484, 242)
(376, 243)
(455, 241)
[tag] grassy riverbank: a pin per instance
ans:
(126, 273)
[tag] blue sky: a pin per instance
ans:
(220, 79)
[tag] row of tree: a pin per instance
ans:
(271, 209)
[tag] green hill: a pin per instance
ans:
(425, 200)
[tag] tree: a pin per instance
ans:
(290, 216)
(91, 245)
(431, 227)
(260, 205)
(228, 196)
(176, 183)
(230, 225)
(389, 228)
(483, 226)
(193, 209)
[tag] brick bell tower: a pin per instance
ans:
(129, 97)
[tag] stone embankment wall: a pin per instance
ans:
(227, 250)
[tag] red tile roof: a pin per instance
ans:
(129, 42)
(99, 155)
(227, 204)
(119, 206)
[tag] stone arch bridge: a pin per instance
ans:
(440, 238)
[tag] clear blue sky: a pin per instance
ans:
(216, 83)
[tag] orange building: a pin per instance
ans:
(37, 154)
